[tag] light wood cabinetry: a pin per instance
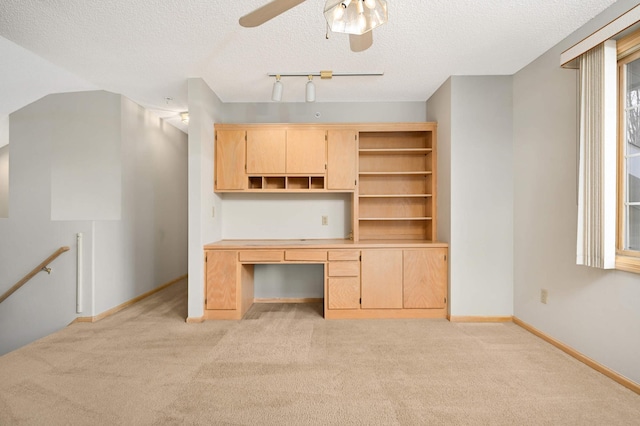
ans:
(230, 155)
(306, 151)
(381, 279)
(343, 279)
(396, 191)
(362, 280)
(266, 150)
(221, 279)
(425, 278)
(342, 151)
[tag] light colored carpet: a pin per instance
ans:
(286, 365)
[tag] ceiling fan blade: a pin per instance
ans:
(267, 12)
(362, 42)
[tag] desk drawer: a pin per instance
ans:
(344, 269)
(261, 256)
(306, 255)
(344, 255)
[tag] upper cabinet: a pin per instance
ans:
(342, 156)
(230, 158)
(266, 150)
(390, 168)
(306, 152)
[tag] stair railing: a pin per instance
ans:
(41, 267)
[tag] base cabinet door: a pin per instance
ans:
(381, 279)
(425, 278)
(221, 278)
(343, 293)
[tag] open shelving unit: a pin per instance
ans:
(396, 188)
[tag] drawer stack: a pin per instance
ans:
(343, 279)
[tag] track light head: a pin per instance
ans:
(310, 91)
(276, 93)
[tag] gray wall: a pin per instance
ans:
(4, 181)
(475, 164)
(593, 311)
(141, 249)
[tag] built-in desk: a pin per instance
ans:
(372, 279)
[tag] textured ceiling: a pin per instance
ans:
(147, 49)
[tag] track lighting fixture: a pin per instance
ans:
(310, 91)
(310, 88)
(276, 93)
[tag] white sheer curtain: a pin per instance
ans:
(597, 165)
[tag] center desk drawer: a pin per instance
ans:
(306, 255)
(261, 256)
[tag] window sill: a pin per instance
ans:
(628, 264)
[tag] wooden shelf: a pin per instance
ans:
(391, 151)
(381, 173)
(396, 196)
(395, 218)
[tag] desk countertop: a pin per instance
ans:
(319, 244)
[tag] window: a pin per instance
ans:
(628, 245)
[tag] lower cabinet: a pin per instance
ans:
(221, 279)
(381, 279)
(388, 279)
(343, 279)
(424, 274)
(385, 282)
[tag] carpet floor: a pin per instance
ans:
(286, 365)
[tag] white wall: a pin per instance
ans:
(86, 180)
(593, 311)
(323, 112)
(143, 249)
(476, 209)
(4, 181)
(205, 108)
(147, 246)
(4, 166)
(28, 236)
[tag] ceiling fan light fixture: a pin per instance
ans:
(276, 93)
(310, 90)
(355, 17)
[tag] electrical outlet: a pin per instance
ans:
(325, 220)
(544, 295)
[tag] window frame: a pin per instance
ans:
(628, 50)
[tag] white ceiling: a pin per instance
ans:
(146, 49)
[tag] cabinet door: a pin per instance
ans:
(341, 159)
(230, 159)
(343, 293)
(266, 151)
(381, 279)
(425, 278)
(221, 278)
(306, 151)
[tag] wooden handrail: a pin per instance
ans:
(41, 267)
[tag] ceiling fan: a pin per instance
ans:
(354, 17)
